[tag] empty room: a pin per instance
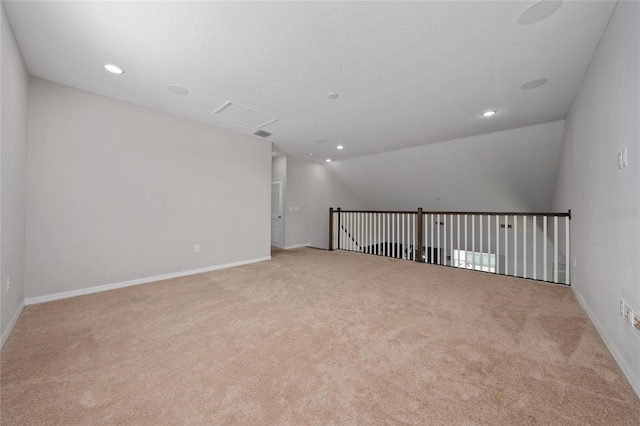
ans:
(320, 212)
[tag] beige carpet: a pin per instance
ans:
(316, 337)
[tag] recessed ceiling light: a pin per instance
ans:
(311, 154)
(328, 160)
(340, 147)
(534, 83)
(178, 90)
(332, 95)
(489, 113)
(114, 69)
(538, 11)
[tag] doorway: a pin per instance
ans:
(276, 214)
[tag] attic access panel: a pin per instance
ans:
(244, 115)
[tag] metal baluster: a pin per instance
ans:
(458, 265)
(412, 216)
(344, 232)
(425, 221)
(544, 246)
(385, 230)
(351, 226)
(412, 235)
(404, 237)
(377, 237)
(363, 233)
(372, 231)
(466, 242)
(534, 235)
(376, 233)
(394, 233)
(489, 243)
(392, 248)
(438, 230)
(524, 245)
(444, 238)
(380, 233)
(399, 236)
(352, 231)
(390, 235)
(567, 261)
(368, 236)
(481, 245)
(433, 253)
(356, 232)
(515, 245)
(497, 244)
(451, 263)
(506, 245)
(473, 241)
(360, 231)
(555, 249)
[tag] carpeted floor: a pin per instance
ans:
(315, 337)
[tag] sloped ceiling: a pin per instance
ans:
(406, 73)
(509, 171)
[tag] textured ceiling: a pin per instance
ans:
(406, 74)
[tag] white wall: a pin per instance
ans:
(117, 192)
(279, 167)
(513, 170)
(605, 233)
(310, 189)
(13, 169)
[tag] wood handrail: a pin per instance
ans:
(567, 214)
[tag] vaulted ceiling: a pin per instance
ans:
(509, 171)
(405, 73)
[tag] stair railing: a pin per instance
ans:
(526, 245)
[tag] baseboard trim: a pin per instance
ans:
(634, 380)
(297, 246)
(12, 324)
(114, 286)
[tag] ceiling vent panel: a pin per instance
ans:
(262, 133)
(242, 114)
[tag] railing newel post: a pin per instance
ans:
(330, 228)
(418, 256)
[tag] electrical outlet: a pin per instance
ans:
(636, 322)
(8, 284)
(196, 248)
(623, 159)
